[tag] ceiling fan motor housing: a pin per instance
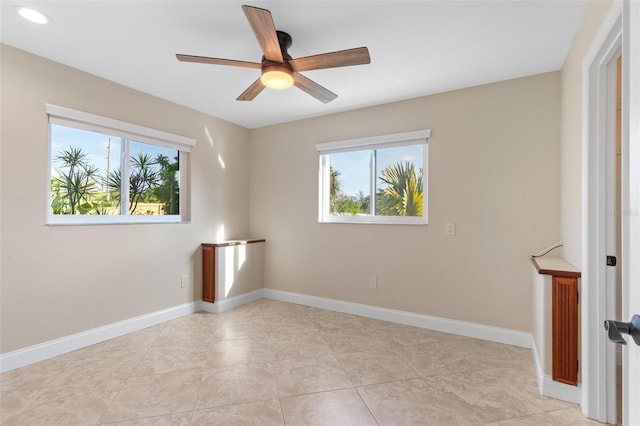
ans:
(278, 75)
(273, 66)
(285, 41)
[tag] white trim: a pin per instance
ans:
(212, 308)
(71, 117)
(550, 388)
(537, 364)
(462, 328)
(82, 220)
(631, 206)
(233, 302)
(396, 139)
(557, 390)
(52, 348)
(379, 220)
(597, 355)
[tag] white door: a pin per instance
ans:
(631, 207)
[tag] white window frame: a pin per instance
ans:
(364, 144)
(127, 131)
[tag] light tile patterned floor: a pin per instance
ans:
(275, 363)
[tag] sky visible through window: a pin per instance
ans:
(354, 165)
(95, 145)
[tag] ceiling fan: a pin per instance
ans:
(278, 69)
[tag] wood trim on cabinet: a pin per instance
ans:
(565, 330)
(208, 273)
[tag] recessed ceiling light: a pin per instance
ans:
(32, 15)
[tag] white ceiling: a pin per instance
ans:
(417, 47)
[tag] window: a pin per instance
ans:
(375, 180)
(109, 171)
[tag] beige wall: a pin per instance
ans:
(60, 280)
(571, 139)
(494, 169)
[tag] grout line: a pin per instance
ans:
(316, 392)
(367, 405)
(284, 419)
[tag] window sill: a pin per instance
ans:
(376, 220)
(112, 220)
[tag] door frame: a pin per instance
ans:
(598, 356)
(631, 203)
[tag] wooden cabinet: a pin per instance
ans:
(557, 325)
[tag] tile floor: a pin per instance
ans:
(275, 363)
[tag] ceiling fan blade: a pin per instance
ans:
(252, 91)
(342, 58)
(265, 31)
(217, 61)
(312, 88)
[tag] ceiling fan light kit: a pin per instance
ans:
(277, 77)
(278, 70)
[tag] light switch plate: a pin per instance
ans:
(450, 228)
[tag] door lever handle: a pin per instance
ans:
(615, 330)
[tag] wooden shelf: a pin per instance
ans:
(233, 243)
(556, 266)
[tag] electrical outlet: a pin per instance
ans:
(450, 228)
(373, 283)
(185, 281)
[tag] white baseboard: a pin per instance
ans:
(40, 352)
(46, 350)
(468, 329)
(229, 303)
(548, 387)
(209, 307)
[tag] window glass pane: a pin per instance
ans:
(399, 181)
(154, 177)
(80, 163)
(349, 183)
